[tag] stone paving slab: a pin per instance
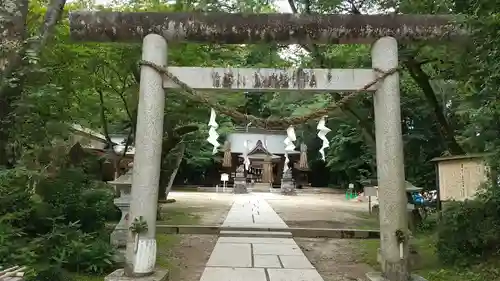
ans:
(233, 274)
(296, 262)
(270, 234)
(255, 240)
(233, 255)
(252, 224)
(277, 249)
(251, 211)
(293, 275)
(266, 261)
(253, 258)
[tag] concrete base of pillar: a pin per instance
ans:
(377, 276)
(119, 275)
(240, 185)
(240, 189)
(288, 187)
(288, 191)
(414, 257)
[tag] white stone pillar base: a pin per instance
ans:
(145, 257)
(377, 276)
(119, 275)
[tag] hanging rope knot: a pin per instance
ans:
(247, 121)
(266, 125)
(282, 123)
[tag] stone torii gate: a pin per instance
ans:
(156, 29)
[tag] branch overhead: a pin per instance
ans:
(227, 28)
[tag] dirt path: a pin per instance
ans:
(335, 260)
(189, 255)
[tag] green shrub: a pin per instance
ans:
(468, 231)
(74, 196)
(59, 228)
(429, 223)
(16, 208)
(77, 251)
(15, 199)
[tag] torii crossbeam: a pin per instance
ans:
(224, 28)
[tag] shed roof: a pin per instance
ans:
(460, 157)
(117, 140)
(125, 179)
(89, 132)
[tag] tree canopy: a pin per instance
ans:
(448, 91)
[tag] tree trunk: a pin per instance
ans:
(180, 156)
(12, 30)
(169, 144)
(422, 80)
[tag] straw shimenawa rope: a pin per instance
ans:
(263, 122)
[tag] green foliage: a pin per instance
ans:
(468, 231)
(73, 196)
(429, 223)
(347, 153)
(16, 207)
(429, 265)
(58, 228)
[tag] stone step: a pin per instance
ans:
(261, 187)
(255, 228)
(260, 234)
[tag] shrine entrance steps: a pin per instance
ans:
(256, 187)
(260, 187)
(253, 256)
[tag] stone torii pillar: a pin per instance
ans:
(141, 250)
(390, 165)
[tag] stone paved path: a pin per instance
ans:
(257, 259)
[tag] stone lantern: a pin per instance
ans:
(240, 183)
(123, 186)
(287, 183)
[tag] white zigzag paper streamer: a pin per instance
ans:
(212, 132)
(246, 160)
(285, 168)
(323, 130)
(289, 145)
(290, 138)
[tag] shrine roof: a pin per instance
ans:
(272, 141)
(259, 148)
(259, 156)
